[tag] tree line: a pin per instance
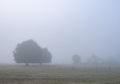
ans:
(30, 52)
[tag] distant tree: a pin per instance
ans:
(94, 59)
(76, 59)
(46, 56)
(30, 52)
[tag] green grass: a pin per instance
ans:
(58, 75)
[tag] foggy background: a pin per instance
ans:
(65, 27)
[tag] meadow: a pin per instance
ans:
(58, 74)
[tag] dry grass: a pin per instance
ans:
(58, 75)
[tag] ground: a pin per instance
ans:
(57, 74)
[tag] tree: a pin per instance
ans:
(76, 59)
(30, 52)
(94, 60)
(46, 55)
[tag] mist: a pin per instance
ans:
(65, 27)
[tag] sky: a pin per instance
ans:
(65, 27)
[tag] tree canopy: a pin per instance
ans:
(30, 52)
(76, 59)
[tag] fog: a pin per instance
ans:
(65, 27)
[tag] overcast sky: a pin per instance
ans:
(65, 27)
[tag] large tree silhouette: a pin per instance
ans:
(30, 52)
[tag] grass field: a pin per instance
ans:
(53, 74)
